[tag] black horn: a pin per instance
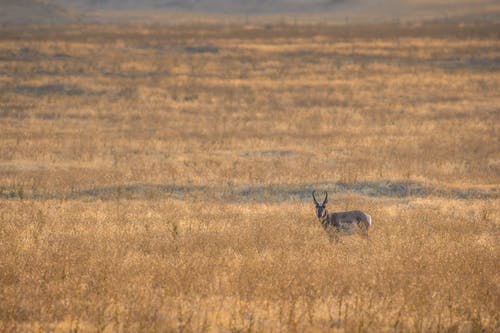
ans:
(314, 198)
(326, 198)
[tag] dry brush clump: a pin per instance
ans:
(158, 178)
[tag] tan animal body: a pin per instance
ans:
(339, 223)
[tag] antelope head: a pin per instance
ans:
(320, 208)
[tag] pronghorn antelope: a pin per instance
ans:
(342, 222)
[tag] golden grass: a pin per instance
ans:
(157, 178)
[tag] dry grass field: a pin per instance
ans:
(157, 178)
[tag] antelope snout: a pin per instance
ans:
(319, 211)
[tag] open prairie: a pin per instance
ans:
(158, 178)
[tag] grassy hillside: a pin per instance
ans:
(158, 178)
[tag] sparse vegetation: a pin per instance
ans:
(157, 178)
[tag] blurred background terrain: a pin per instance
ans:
(336, 11)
